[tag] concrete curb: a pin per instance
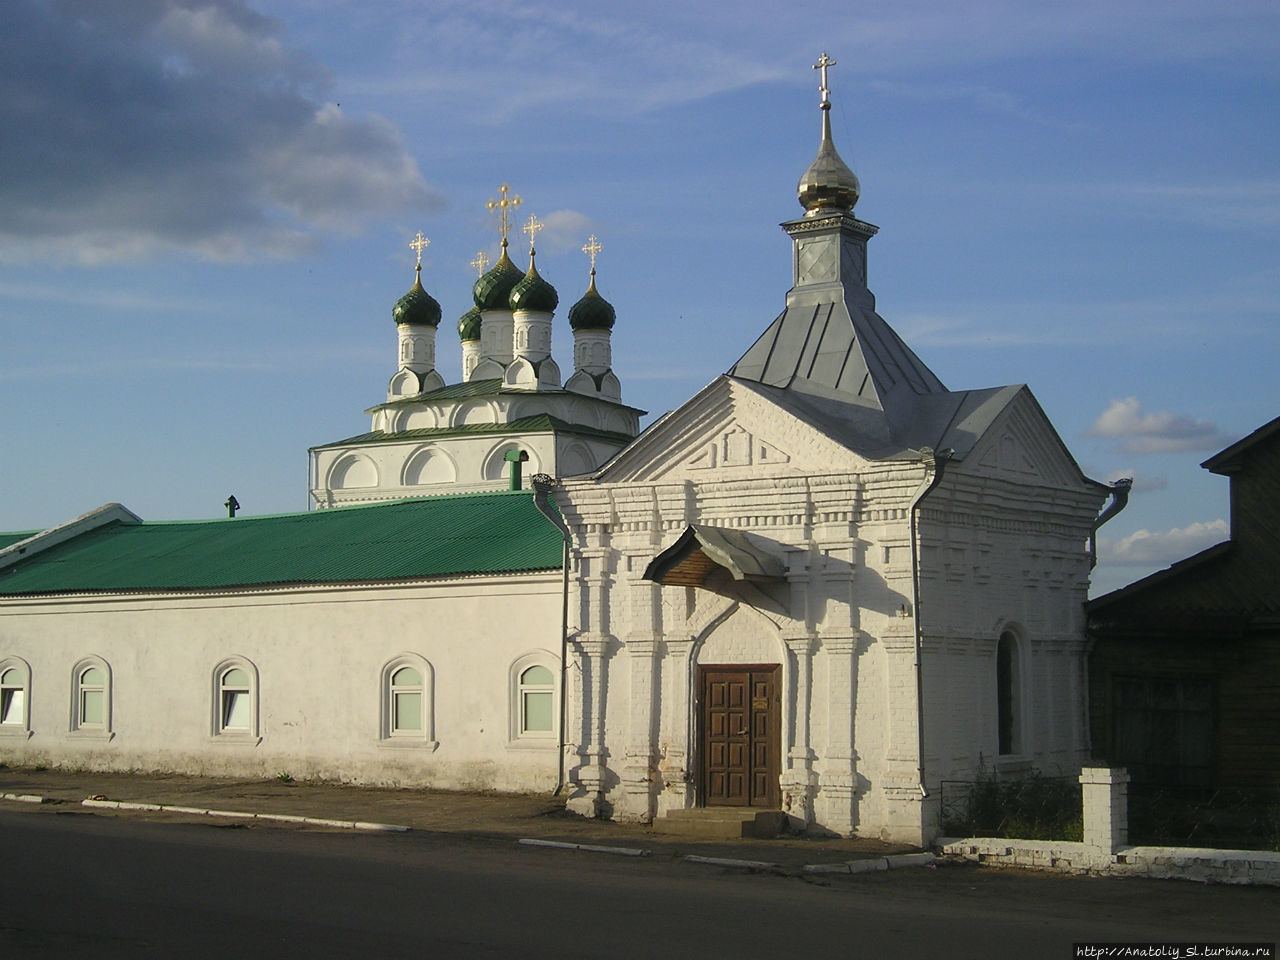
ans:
(585, 847)
(873, 865)
(24, 797)
(243, 815)
(733, 864)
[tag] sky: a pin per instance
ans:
(205, 210)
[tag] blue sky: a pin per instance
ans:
(205, 207)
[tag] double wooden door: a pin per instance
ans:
(740, 735)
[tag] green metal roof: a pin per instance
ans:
(539, 423)
(7, 539)
(491, 387)
(496, 532)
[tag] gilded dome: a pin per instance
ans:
(828, 185)
(532, 292)
(592, 312)
(494, 288)
(417, 306)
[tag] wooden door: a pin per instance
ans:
(740, 733)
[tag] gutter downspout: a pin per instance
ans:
(542, 484)
(937, 462)
(1119, 499)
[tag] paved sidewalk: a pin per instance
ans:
(478, 815)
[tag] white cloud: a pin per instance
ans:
(1148, 548)
(1159, 432)
(135, 131)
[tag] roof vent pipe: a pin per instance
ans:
(515, 458)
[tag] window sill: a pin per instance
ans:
(1013, 763)
(405, 743)
(83, 734)
(236, 739)
(15, 732)
(547, 743)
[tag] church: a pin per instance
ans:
(822, 586)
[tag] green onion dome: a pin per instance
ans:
(533, 293)
(469, 325)
(592, 312)
(492, 290)
(417, 306)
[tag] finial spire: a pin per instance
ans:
(418, 244)
(532, 228)
(504, 206)
(591, 249)
(480, 263)
(823, 62)
(828, 186)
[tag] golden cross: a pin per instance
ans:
(823, 62)
(591, 249)
(532, 228)
(502, 206)
(481, 262)
(419, 243)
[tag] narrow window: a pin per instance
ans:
(1007, 694)
(235, 700)
(406, 701)
(536, 695)
(236, 708)
(91, 698)
(93, 690)
(13, 698)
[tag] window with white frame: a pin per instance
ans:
(91, 698)
(407, 707)
(534, 702)
(235, 700)
(15, 697)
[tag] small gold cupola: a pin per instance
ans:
(828, 186)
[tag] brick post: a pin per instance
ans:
(1105, 792)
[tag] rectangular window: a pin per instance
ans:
(91, 708)
(408, 712)
(235, 710)
(537, 712)
(11, 704)
(1163, 729)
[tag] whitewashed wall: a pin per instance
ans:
(319, 654)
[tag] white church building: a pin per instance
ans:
(823, 585)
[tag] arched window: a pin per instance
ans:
(534, 698)
(1008, 695)
(91, 698)
(235, 700)
(15, 698)
(407, 702)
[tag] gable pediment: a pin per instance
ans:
(1022, 446)
(727, 432)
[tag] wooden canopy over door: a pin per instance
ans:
(739, 735)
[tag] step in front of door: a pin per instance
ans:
(717, 823)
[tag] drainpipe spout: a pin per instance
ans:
(935, 464)
(1119, 499)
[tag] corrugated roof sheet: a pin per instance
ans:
(494, 532)
(539, 423)
(8, 539)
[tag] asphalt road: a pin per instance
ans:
(79, 884)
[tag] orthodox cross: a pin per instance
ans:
(591, 249)
(532, 228)
(503, 206)
(481, 262)
(823, 62)
(419, 243)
